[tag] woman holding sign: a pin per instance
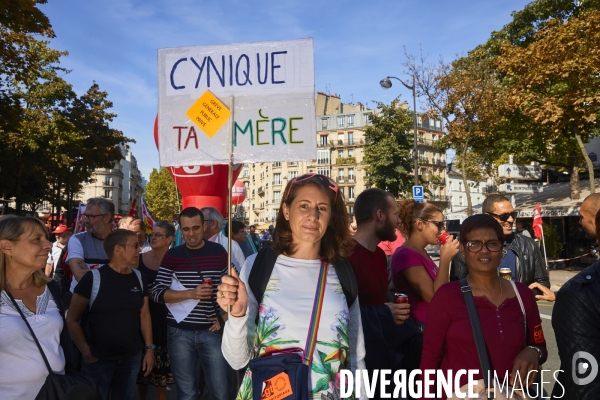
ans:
(294, 302)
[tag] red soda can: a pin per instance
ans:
(400, 298)
(207, 281)
(443, 238)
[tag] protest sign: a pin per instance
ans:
(267, 86)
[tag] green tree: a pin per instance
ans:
(162, 196)
(463, 94)
(554, 80)
(388, 149)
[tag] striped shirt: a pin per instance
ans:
(211, 260)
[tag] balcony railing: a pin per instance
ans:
(345, 160)
(439, 198)
(340, 179)
(340, 142)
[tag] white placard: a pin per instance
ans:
(271, 85)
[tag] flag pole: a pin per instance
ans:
(544, 245)
(229, 188)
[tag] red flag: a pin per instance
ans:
(132, 209)
(148, 220)
(537, 222)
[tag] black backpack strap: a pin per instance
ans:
(60, 277)
(265, 262)
(261, 273)
(347, 278)
(484, 360)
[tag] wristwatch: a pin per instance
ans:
(538, 351)
(150, 347)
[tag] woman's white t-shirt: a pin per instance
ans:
(284, 318)
(22, 368)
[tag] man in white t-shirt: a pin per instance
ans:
(62, 235)
(86, 249)
(213, 232)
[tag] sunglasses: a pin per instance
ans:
(476, 246)
(504, 217)
(330, 184)
(441, 225)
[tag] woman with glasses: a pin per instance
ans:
(310, 234)
(414, 273)
(512, 331)
(160, 240)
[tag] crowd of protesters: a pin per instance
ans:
(133, 310)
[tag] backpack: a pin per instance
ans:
(62, 272)
(265, 262)
(96, 284)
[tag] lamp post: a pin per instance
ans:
(386, 83)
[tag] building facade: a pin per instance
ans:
(340, 140)
(122, 184)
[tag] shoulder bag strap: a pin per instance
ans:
(31, 330)
(484, 361)
(313, 328)
(522, 308)
(216, 306)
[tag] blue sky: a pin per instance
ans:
(357, 43)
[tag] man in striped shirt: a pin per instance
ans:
(198, 336)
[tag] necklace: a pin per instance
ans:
(498, 281)
(14, 288)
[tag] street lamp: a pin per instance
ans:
(386, 83)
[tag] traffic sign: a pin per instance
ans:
(519, 171)
(513, 188)
(418, 192)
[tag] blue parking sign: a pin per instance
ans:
(418, 192)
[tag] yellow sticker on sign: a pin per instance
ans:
(208, 113)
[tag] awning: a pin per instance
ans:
(555, 201)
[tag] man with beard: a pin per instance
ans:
(86, 249)
(521, 254)
(384, 325)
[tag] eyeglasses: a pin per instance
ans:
(504, 217)
(330, 184)
(157, 235)
(136, 245)
(476, 246)
(441, 225)
(91, 216)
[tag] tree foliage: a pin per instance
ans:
(51, 139)
(162, 197)
(463, 93)
(554, 79)
(388, 149)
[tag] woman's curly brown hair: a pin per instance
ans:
(411, 210)
(336, 242)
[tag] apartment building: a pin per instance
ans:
(121, 184)
(340, 140)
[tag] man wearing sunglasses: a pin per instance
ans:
(520, 253)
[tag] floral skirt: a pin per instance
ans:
(161, 372)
